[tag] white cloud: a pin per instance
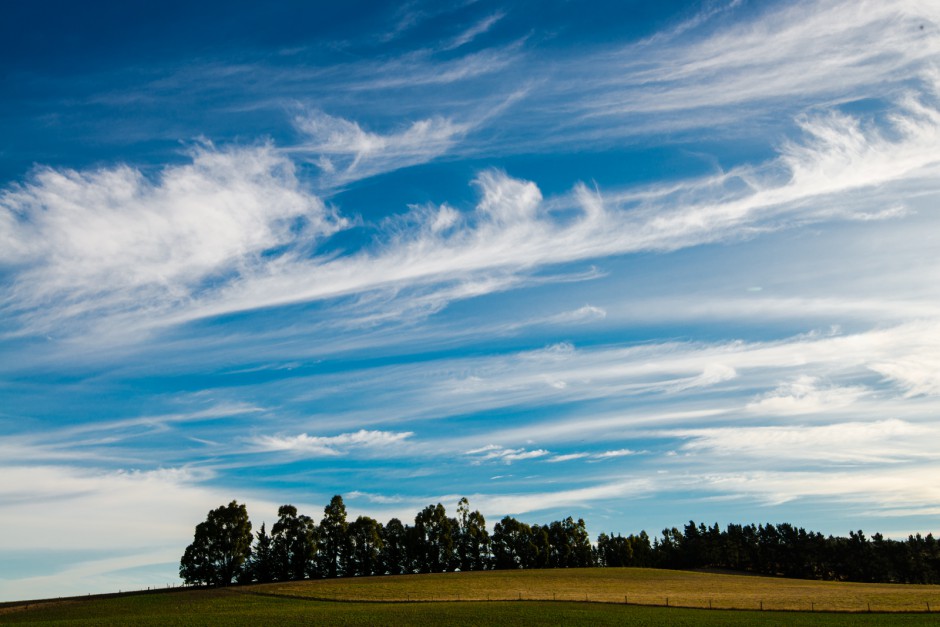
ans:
(475, 31)
(496, 453)
(525, 502)
(712, 374)
(885, 489)
(917, 371)
(328, 446)
(785, 54)
(591, 456)
(804, 395)
(125, 518)
(587, 313)
(882, 441)
(567, 458)
(617, 453)
(102, 441)
(346, 152)
(235, 231)
(113, 240)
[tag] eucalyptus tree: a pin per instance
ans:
(473, 540)
(394, 551)
(540, 547)
(614, 550)
(365, 547)
(294, 543)
(512, 544)
(333, 547)
(434, 534)
(221, 545)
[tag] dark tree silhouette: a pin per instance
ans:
(295, 544)
(220, 547)
(334, 543)
(394, 552)
(262, 565)
(512, 544)
(365, 547)
(473, 540)
(434, 536)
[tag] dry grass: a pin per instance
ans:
(618, 585)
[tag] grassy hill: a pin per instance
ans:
(548, 597)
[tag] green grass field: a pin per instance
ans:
(433, 599)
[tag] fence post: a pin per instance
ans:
(762, 605)
(667, 601)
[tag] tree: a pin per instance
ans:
(365, 543)
(262, 565)
(473, 540)
(435, 541)
(570, 544)
(333, 547)
(540, 547)
(614, 550)
(220, 547)
(394, 553)
(295, 543)
(512, 544)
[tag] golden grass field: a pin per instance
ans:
(615, 597)
(641, 586)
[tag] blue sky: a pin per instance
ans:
(634, 262)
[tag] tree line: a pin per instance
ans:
(224, 549)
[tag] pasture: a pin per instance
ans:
(536, 597)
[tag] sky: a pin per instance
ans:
(634, 262)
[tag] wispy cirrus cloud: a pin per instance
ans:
(345, 152)
(773, 59)
(329, 446)
(496, 453)
(111, 440)
(475, 31)
(83, 243)
(236, 230)
(880, 441)
(804, 395)
(165, 504)
(623, 452)
(878, 490)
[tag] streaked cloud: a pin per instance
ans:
(512, 231)
(880, 441)
(804, 396)
(345, 152)
(496, 453)
(341, 444)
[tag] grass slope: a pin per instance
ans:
(641, 586)
(370, 601)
